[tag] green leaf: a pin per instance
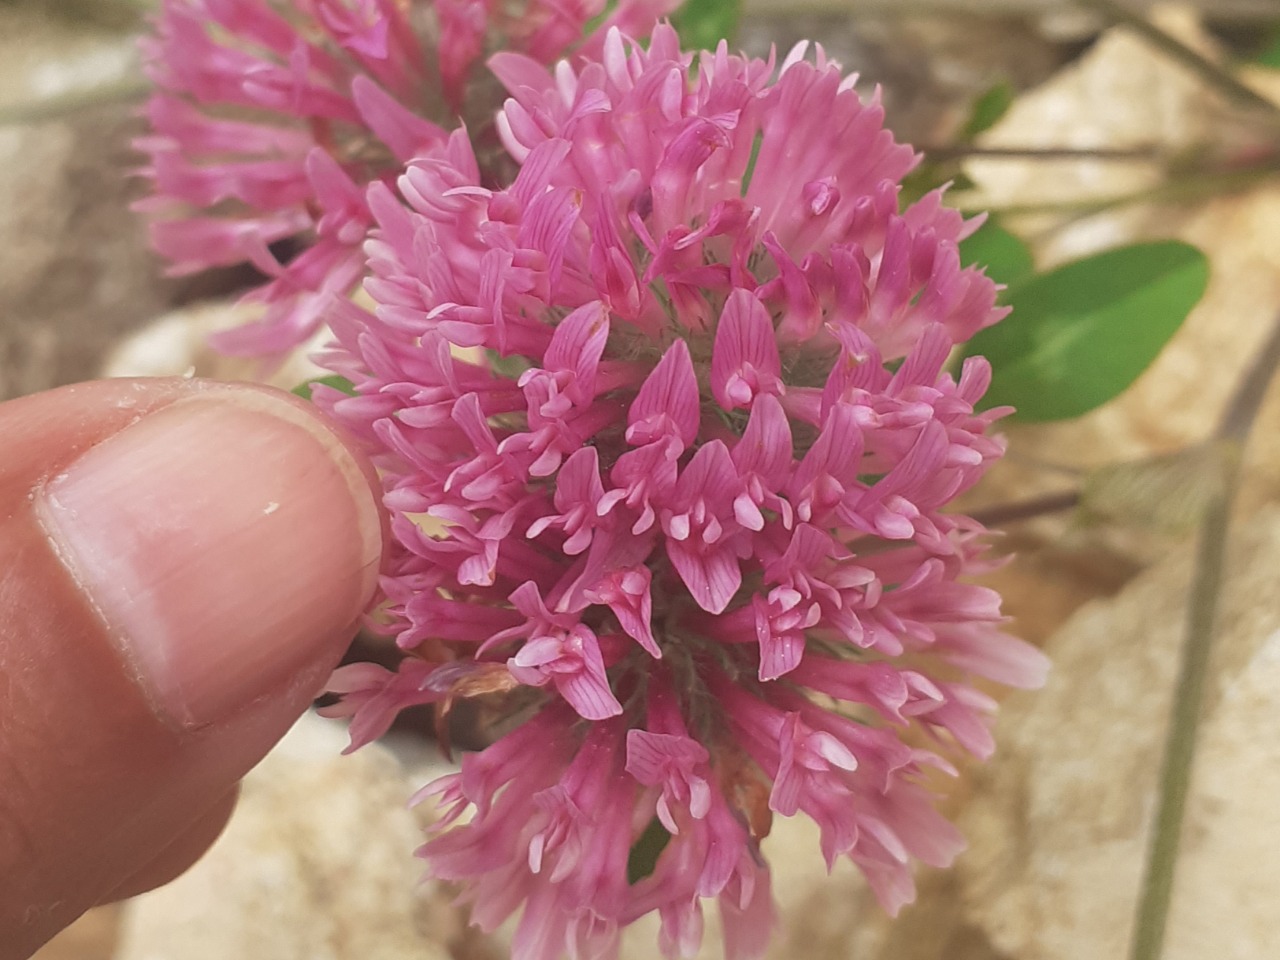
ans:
(643, 858)
(338, 383)
(1005, 256)
(1079, 335)
(704, 23)
(987, 109)
(1270, 53)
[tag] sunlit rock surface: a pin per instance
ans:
(316, 864)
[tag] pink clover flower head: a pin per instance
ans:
(271, 117)
(668, 432)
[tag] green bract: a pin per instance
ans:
(338, 383)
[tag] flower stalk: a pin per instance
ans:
(1152, 916)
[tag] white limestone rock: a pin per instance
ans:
(177, 344)
(1122, 94)
(316, 864)
(1059, 822)
(76, 271)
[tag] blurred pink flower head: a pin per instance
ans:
(667, 429)
(272, 116)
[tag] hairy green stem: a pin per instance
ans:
(1243, 408)
(1156, 894)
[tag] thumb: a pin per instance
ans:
(181, 565)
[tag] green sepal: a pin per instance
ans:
(303, 389)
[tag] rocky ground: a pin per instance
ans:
(317, 863)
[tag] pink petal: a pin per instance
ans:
(766, 446)
(744, 360)
(405, 132)
(713, 576)
(589, 695)
(779, 653)
(579, 342)
(667, 404)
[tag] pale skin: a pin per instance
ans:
(181, 565)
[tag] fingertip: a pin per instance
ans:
(181, 853)
(181, 566)
(221, 540)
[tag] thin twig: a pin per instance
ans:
(1191, 187)
(1002, 514)
(1208, 71)
(1175, 775)
(954, 151)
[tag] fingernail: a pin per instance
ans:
(226, 541)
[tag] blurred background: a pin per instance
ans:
(318, 863)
